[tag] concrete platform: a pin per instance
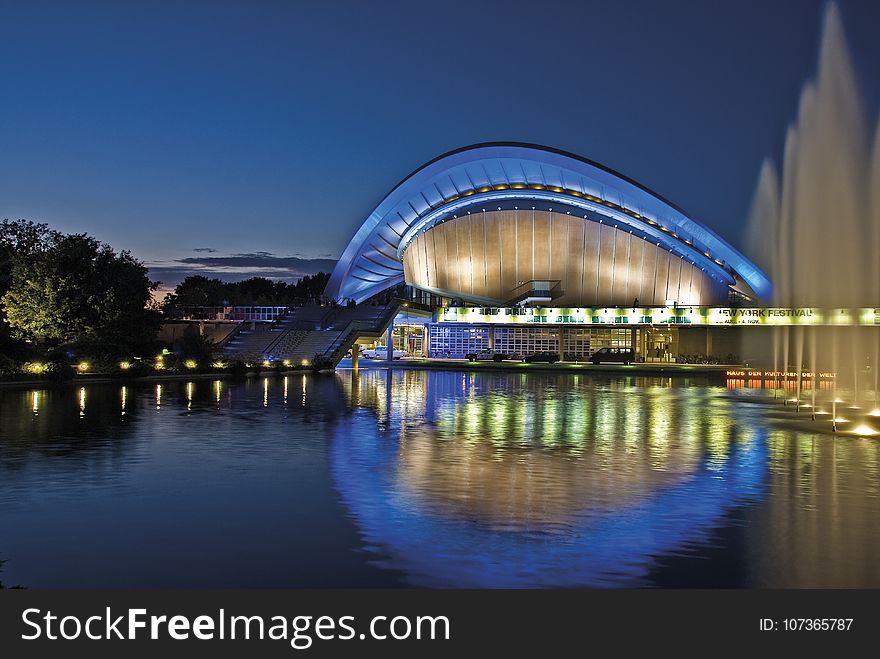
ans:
(716, 370)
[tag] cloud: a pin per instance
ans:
(235, 267)
(208, 250)
(294, 265)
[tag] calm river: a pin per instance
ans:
(431, 479)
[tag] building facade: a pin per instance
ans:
(519, 227)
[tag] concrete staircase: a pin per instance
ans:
(311, 345)
(310, 332)
(249, 343)
(357, 322)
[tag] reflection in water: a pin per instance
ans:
(516, 481)
(513, 480)
(431, 478)
(183, 491)
(820, 526)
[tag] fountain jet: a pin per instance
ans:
(815, 228)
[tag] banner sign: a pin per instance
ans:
(683, 315)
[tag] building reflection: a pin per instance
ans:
(476, 473)
(502, 479)
(820, 530)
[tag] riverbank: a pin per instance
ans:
(97, 378)
(214, 485)
(717, 370)
(655, 370)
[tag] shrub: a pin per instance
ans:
(130, 368)
(7, 366)
(238, 368)
(320, 362)
(61, 371)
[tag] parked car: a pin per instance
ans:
(381, 352)
(549, 357)
(613, 356)
(485, 356)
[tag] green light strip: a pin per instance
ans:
(678, 316)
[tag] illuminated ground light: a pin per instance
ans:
(864, 430)
(821, 412)
(840, 420)
(266, 363)
(124, 365)
(218, 364)
(874, 412)
(190, 363)
(36, 367)
(82, 367)
(286, 362)
(305, 362)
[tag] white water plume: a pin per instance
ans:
(815, 229)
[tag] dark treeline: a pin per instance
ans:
(199, 291)
(61, 289)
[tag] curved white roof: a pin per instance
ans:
(486, 173)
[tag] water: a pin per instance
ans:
(431, 478)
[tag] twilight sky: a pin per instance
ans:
(240, 138)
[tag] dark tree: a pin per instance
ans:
(19, 240)
(311, 287)
(198, 291)
(79, 289)
(259, 291)
(195, 345)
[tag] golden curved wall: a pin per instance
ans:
(483, 257)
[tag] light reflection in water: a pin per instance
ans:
(451, 479)
(502, 481)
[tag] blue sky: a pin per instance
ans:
(252, 137)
